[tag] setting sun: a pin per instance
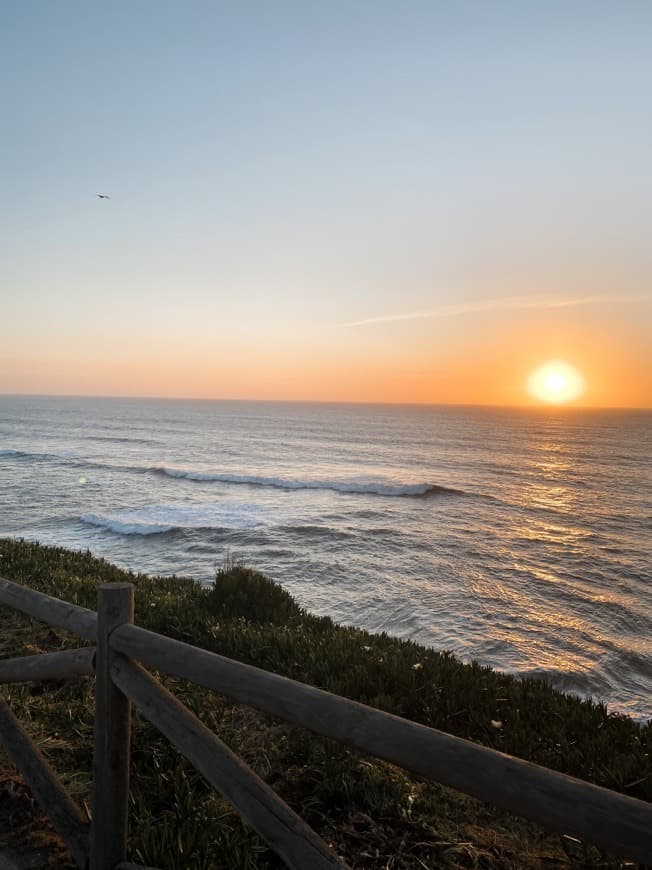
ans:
(555, 382)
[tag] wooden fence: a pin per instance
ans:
(557, 802)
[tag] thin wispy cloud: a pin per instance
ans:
(506, 303)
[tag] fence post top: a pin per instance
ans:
(111, 587)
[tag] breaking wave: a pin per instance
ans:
(120, 527)
(362, 487)
(156, 519)
(359, 486)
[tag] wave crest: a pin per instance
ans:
(6, 452)
(24, 454)
(120, 527)
(359, 487)
(154, 519)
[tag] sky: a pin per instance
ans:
(369, 201)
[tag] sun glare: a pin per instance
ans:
(555, 382)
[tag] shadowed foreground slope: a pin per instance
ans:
(374, 814)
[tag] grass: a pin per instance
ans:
(374, 814)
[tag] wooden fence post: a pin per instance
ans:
(115, 606)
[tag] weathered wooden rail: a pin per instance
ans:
(558, 802)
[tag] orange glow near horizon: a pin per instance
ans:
(478, 368)
(556, 383)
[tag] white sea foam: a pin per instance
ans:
(359, 486)
(160, 518)
(124, 527)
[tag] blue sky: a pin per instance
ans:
(277, 170)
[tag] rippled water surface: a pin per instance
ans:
(519, 538)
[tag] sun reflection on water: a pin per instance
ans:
(537, 530)
(549, 487)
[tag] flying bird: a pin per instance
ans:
(102, 196)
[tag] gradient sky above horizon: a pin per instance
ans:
(416, 201)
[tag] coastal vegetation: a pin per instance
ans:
(374, 814)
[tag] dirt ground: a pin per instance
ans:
(27, 839)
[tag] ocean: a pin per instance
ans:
(519, 538)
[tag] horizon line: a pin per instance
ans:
(533, 406)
